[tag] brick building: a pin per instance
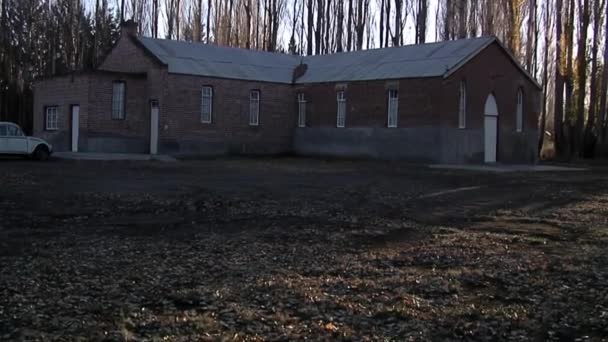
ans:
(456, 101)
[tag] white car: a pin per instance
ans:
(14, 142)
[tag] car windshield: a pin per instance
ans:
(3, 130)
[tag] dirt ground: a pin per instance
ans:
(294, 249)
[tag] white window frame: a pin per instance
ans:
(119, 100)
(462, 105)
(206, 107)
(519, 115)
(51, 118)
(254, 108)
(341, 109)
(301, 110)
(393, 108)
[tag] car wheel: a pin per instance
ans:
(41, 153)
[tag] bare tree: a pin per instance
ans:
(309, 41)
(340, 27)
(584, 18)
(530, 40)
(349, 31)
(604, 87)
(547, 15)
(558, 112)
(397, 34)
(421, 18)
(593, 91)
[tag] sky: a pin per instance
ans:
(284, 33)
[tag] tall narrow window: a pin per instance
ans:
(462, 108)
(341, 116)
(519, 118)
(206, 104)
(393, 100)
(118, 100)
(301, 110)
(52, 118)
(254, 108)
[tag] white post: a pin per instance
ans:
(75, 127)
(153, 127)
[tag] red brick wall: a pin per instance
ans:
(367, 103)
(491, 71)
(422, 102)
(93, 92)
(181, 111)
(137, 118)
(63, 92)
(127, 56)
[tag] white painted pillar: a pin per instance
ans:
(153, 127)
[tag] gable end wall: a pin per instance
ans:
(491, 71)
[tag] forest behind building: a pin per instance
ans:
(561, 43)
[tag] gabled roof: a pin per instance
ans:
(220, 61)
(410, 61)
(439, 59)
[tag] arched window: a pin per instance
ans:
(519, 116)
(462, 106)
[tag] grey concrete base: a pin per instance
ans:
(116, 145)
(423, 144)
(205, 147)
(112, 156)
(420, 144)
(506, 168)
(60, 141)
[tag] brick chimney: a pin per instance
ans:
(129, 28)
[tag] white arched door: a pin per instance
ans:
(490, 129)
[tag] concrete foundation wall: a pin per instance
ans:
(514, 147)
(204, 147)
(419, 144)
(108, 144)
(460, 146)
(423, 144)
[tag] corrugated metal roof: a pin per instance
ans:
(411, 61)
(219, 61)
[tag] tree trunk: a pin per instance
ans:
(582, 74)
(177, 18)
(310, 27)
(569, 75)
(604, 99)
(319, 27)
(515, 9)
(462, 19)
(421, 18)
(447, 20)
(208, 22)
(591, 120)
(388, 22)
(530, 49)
(340, 27)
(381, 27)
(559, 81)
(122, 10)
(327, 25)
(349, 25)
(359, 28)
(248, 24)
(398, 9)
(543, 118)
(197, 28)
